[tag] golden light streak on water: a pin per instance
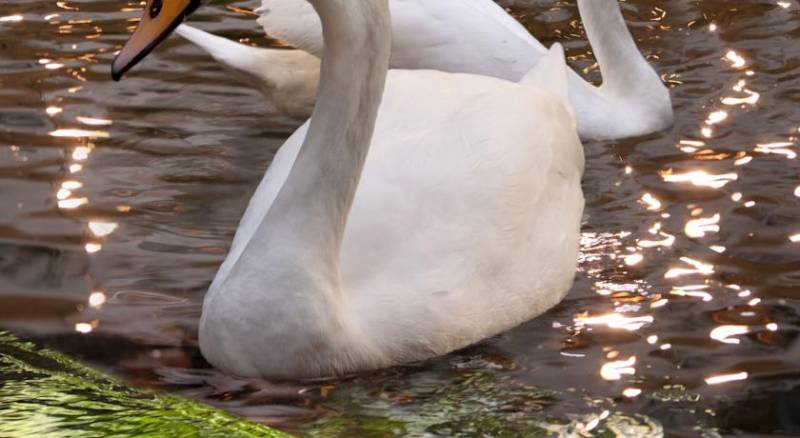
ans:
(97, 299)
(737, 61)
(83, 327)
(79, 133)
(697, 228)
(700, 178)
(634, 259)
(63, 5)
(102, 229)
(81, 153)
(94, 121)
(668, 241)
(615, 321)
(690, 146)
(607, 288)
(660, 303)
(694, 291)
(698, 268)
(63, 194)
(724, 333)
(72, 203)
(725, 378)
(632, 392)
(71, 185)
(716, 117)
(653, 204)
(750, 97)
(615, 370)
(93, 248)
(780, 148)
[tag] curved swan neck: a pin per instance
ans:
(302, 232)
(622, 65)
(284, 289)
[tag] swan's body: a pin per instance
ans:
(463, 218)
(479, 37)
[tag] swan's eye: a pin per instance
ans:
(155, 8)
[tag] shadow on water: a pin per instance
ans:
(120, 201)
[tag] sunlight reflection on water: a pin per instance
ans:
(127, 196)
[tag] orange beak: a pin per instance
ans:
(160, 18)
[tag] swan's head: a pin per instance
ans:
(160, 18)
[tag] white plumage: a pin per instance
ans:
(457, 218)
(479, 37)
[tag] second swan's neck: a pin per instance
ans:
(623, 67)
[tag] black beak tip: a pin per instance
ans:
(116, 72)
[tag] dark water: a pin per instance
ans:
(684, 317)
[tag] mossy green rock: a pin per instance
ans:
(44, 394)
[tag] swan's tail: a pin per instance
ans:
(551, 73)
(288, 78)
(231, 54)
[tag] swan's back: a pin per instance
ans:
(465, 223)
(467, 220)
(447, 35)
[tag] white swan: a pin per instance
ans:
(461, 222)
(473, 36)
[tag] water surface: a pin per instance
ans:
(120, 201)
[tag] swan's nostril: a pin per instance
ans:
(155, 8)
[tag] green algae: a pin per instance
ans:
(44, 394)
